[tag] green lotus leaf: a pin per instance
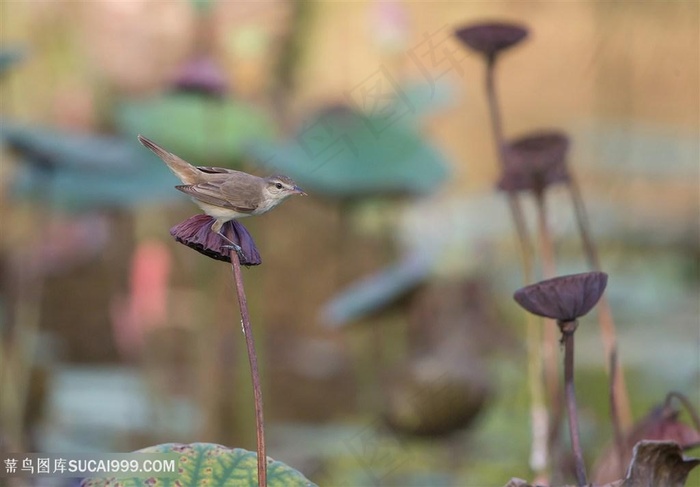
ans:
(341, 153)
(204, 131)
(211, 465)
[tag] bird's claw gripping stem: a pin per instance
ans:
(233, 246)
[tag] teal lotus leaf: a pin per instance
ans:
(341, 153)
(378, 291)
(10, 56)
(78, 171)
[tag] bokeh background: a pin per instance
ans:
(394, 275)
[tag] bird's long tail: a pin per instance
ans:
(187, 173)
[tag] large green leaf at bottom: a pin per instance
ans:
(211, 465)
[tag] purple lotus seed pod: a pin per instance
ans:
(196, 233)
(202, 76)
(564, 298)
(535, 161)
(490, 38)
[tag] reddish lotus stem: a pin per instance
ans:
(513, 200)
(605, 316)
(589, 247)
(546, 250)
(539, 454)
(549, 339)
(567, 329)
(22, 339)
(255, 376)
(687, 404)
(549, 267)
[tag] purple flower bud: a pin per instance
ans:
(202, 76)
(492, 37)
(535, 161)
(196, 233)
(563, 298)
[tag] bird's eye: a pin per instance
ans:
(278, 185)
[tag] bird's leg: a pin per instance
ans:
(216, 227)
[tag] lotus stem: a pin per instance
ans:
(18, 350)
(584, 226)
(614, 410)
(539, 414)
(605, 316)
(255, 376)
(567, 329)
(687, 404)
(549, 339)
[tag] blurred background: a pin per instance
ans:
(391, 350)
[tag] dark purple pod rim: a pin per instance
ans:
(535, 161)
(201, 75)
(490, 38)
(563, 298)
(196, 233)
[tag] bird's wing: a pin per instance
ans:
(216, 170)
(213, 195)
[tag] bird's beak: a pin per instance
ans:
(298, 190)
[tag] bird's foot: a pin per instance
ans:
(238, 249)
(233, 246)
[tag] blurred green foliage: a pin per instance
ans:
(205, 131)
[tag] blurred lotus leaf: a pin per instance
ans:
(434, 395)
(341, 153)
(378, 291)
(202, 5)
(421, 99)
(212, 465)
(86, 170)
(69, 151)
(208, 132)
(9, 56)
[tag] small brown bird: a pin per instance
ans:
(225, 194)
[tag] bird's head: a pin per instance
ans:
(278, 188)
